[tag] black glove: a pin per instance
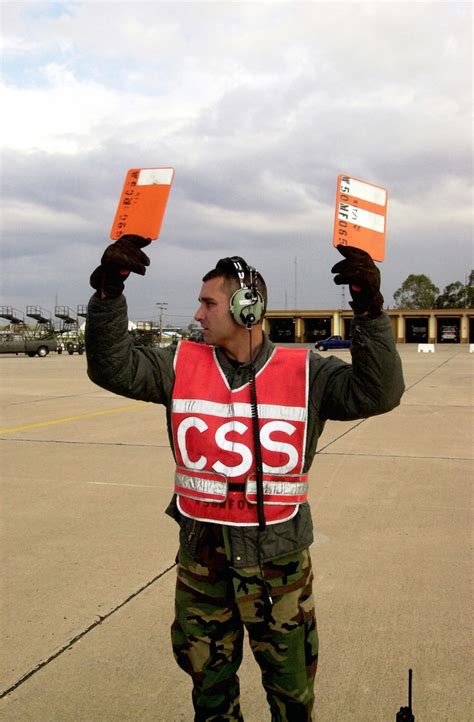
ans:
(360, 272)
(119, 259)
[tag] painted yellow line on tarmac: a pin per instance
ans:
(112, 483)
(65, 419)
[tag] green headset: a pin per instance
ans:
(246, 304)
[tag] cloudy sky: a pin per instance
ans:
(258, 106)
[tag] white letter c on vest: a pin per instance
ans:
(188, 423)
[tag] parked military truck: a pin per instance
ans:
(75, 346)
(29, 345)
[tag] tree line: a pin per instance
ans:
(419, 291)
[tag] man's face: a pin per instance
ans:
(213, 314)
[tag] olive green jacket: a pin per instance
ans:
(372, 384)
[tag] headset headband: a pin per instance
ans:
(240, 270)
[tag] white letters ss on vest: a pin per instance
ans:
(245, 453)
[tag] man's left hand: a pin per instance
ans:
(360, 272)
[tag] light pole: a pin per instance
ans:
(296, 282)
(162, 305)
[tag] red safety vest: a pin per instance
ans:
(213, 437)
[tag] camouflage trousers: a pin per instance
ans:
(215, 602)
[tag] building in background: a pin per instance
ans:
(437, 325)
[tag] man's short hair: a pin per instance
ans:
(225, 268)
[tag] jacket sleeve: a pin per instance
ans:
(373, 384)
(116, 364)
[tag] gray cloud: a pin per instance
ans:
(258, 107)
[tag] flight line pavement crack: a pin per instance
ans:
(96, 623)
(407, 389)
(321, 451)
(84, 443)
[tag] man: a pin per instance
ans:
(244, 419)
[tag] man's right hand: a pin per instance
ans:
(118, 261)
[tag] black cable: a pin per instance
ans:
(268, 601)
(258, 448)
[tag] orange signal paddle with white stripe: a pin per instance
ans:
(360, 217)
(142, 203)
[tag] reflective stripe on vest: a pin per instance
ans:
(211, 487)
(213, 441)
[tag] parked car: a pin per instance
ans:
(332, 342)
(18, 343)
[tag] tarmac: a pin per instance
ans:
(87, 580)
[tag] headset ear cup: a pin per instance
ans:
(236, 301)
(243, 311)
(256, 309)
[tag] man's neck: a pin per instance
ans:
(245, 346)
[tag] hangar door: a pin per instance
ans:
(448, 330)
(316, 329)
(416, 330)
(282, 330)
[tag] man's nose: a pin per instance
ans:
(198, 314)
